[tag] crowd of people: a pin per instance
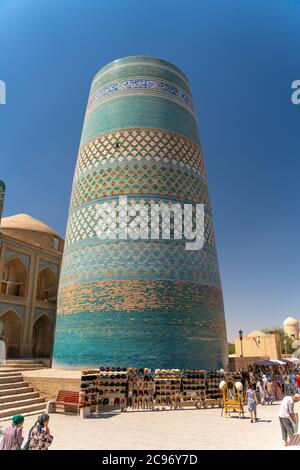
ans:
(264, 385)
(271, 383)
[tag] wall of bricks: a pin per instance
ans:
(50, 386)
(236, 363)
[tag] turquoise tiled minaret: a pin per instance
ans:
(142, 303)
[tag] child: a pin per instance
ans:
(252, 402)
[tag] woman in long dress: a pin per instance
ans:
(261, 391)
(278, 383)
(13, 438)
(39, 436)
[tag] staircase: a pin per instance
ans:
(18, 365)
(16, 396)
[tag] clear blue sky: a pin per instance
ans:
(240, 57)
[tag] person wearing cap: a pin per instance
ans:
(287, 417)
(13, 438)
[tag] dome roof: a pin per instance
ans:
(290, 321)
(2, 184)
(255, 333)
(26, 222)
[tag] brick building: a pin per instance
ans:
(30, 259)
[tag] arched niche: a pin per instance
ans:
(42, 337)
(11, 332)
(14, 278)
(47, 285)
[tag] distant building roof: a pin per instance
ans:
(255, 333)
(290, 321)
(26, 222)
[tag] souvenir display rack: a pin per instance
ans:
(141, 388)
(193, 386)
(113, 383)
(168, 387)
(232, 398)
(145, 389)
(89, 388)
(233, 375)
(213, 394)
(236, 377)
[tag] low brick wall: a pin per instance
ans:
(236, 363)
(49, 382)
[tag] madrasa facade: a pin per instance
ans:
(135, 301)
(30, 259)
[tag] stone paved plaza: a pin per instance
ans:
(184, 429)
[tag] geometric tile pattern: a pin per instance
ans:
(133, 85)
(140, 146)
(38, 312)
(125, 295)
(139, 179)
(85, 222)
(45, 264)
(10, 254)
(143, 259)
(20, 310)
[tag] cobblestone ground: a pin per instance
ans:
(184, 429)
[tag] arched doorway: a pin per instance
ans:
(11, 333)
(47, 285)
(42, 337)
(14, 278)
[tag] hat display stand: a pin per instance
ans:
(113, 384)
(168, 388)
(232, 398)
(145, 389)
(237, 377)
(193, 388)
(89, 391)
(213, 396)
(141, 390)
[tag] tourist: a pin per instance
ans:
(39, 436)
(252, 402)
(13, 438)
(287, 417)
(260, 386)
(297, 380)
(278, 386)
(265, 380)
(270, 391)
(292, 377)
(245, 377)
(286, 384)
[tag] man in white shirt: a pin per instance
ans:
(287, 416)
